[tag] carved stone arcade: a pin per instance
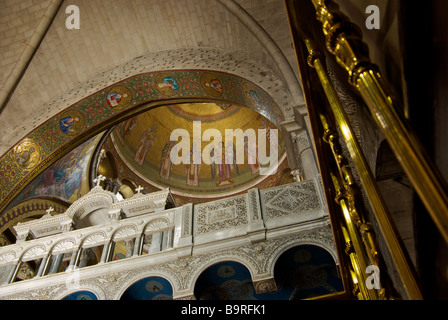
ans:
(253, 229)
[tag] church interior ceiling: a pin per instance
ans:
(141, 147)
(68, 178)
(243, 78)
(91, 115)
(22, 166)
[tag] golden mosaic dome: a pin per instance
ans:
(143, 146)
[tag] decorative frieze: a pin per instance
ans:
(240, 223)
(294, 198)
(112, 282)
(43, 227)
(220, 215)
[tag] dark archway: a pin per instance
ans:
(226, 280)
(151, 288)
(306, 271)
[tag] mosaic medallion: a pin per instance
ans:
(119, 97)
(153, 286)
(166, 84)
(226, 271)
(212, 85)
(238, 290)
(252, 96)
(27, 154)
(71, 122)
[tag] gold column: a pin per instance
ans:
(354, 246)
(380, 210)
(344, 41)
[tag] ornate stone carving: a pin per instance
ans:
(7, 258)
(205, 213)
(265, 286)
(156, 225)
(186, 213)
(260, 259)
(125, 233)
(294, 198)
(63, 246)
(243, 210)
(34, 253)
(301, 140)
(254, 204)
(94, 240)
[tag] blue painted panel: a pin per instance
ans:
(81, 295)
(152, 288)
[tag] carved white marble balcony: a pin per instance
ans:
(294, 212)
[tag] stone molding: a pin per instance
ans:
(111, 283)
(239, 228)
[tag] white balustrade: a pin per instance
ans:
(142, 227)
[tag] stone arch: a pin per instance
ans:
(73, 286)
(219, 279)
(238, 90)
(155, 225)
(95, 204)
(242, 259)
(93, 239)
(125, 232)
(33, 208)
(306, 270)
(7, 258)
(275, 254)
(63, 246)
(34, 252)
(142, 276)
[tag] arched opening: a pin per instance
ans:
(81, 295)
(306, 271)
(151, 288)
(88, 118)
(226, 280)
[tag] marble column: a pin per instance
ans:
(104, 255)
(138, 245)
(299, 148)
(116, 184)
(85, 257)
(13, 273)
(74, 259)
(56, 261)
(43, 266)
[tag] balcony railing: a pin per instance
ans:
(143, 226)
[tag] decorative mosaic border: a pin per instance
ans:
(95, 113)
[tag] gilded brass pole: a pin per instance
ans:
(356, 252)
(380, 209)
(344, 41)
